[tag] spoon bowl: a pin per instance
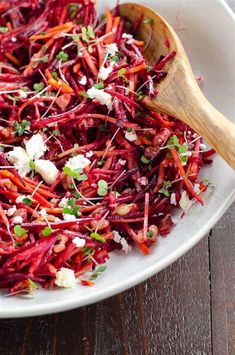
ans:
(178, 93)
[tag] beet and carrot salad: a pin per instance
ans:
(85, 168)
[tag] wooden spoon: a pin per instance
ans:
(179, 94)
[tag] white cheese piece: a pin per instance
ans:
(203, 147)
(122, 161)
(131, 136)
(83, 80)
(17, 220)
(47, 170)
(20, 159)
(89, 154)
(111, 49)
(65, 278)
(173, 199)
(184, 201)
(103, 97)
(11, 211)
(78, 162)
(142, 180)
(22, 94)
(35, 147)
(118, 239)
(13, 39)
(104, 72)
(69, 217)
(63, 202)
(20, 198)
(43, 212)
(127, 36)
(79, 242)
(197, 189)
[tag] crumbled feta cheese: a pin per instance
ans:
(11, 211)
(43, 212)
(121, 161)
(197, 189)
(103, 97)
(83, 80)
(89, 154)
(69, 217)
(79, 242)
(127, 35)
(184, 201)
(47, 170)
(104, 72)
(131, 136)
(57, 219)
(142, 180)
(173, 199)
(203, 147)
(35, 146)
(65, 278)
(22, 94)
(21, 198)
(20, 159)
(17, 220)
(63, 203)
(118, 239)
(111, 49)
(78, 162)
(13, 39)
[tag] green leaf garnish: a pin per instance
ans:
(98, 237)
(32, 284)
(148, 21)
(56, 133)
(102, 188)
(149, 234)
(101, 268)
(19, 231)
(32, 164)
(145, 160)
(3, 29)
(114, 59)
(83, 94)
(27, 201)
(75, 37)
(20, 128)
(121, 71)
(62, 56)
(55, 75)
(84, 34)
(99, 86)
(46, 231)
(90, 32)
(38, 86)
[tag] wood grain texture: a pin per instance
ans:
(222, 264)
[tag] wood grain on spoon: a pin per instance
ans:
(179, 94)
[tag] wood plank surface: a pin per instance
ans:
(222, 265)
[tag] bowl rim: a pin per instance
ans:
(71, 303)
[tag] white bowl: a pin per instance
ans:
(205, 28)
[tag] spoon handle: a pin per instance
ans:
(212, 125)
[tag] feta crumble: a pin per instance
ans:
(11, 211)
(184, 201)
(89, 154)
(63, 202)
(78, 162)
(203, 147)
(104, 72)
(65, 278)
(21, 198)
(173, 199)
(118, 239)
(127, 36)
(43, 212)
(142, 180)
(17, 220)
(20, 159)
(35, 146)
(47, 170)
(103, 97)
(83, 80)
(131, 136)
(79, 242)
(69, 217)
(122, 161)
(111, 49)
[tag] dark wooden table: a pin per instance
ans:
(189, 308)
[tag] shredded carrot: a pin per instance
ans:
(109, 23)
(3, 216)
(60, 84)
(12, 58)
(136, 69)
(76, 67)
(54, 31)
(184, 176)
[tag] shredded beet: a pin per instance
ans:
(85, 168)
